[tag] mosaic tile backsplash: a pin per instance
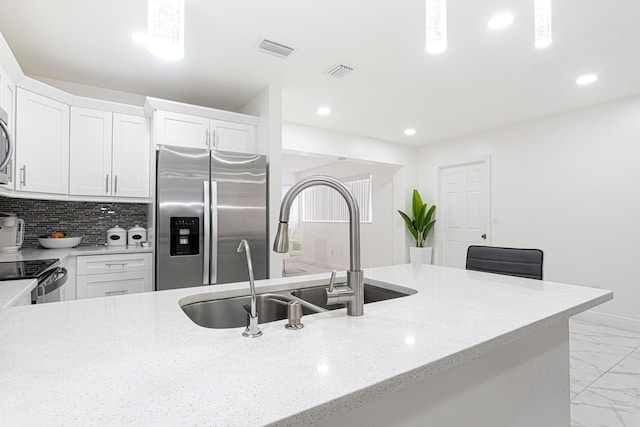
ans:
(91, 220)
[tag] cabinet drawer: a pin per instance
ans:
(121, 263)
(103, 285)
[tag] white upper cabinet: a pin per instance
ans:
(181, 130)
(130, 156)
(193, 131)
(42, 144)
(109, 154)
(90, 152)
(230, 136)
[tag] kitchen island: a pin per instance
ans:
(469, 348)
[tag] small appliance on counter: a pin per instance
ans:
(136, 235)
(11, 232)
(116, 236)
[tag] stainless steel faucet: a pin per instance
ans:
(355, 277)
(252, 330)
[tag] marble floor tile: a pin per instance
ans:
(594, 349)
(613, 400)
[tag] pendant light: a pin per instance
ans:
(165, 26)
(436, 22)
(542, 12)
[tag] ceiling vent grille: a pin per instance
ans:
(273, 48)
(339, 71)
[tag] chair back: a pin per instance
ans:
(509, 261)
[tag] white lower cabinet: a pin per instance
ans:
(109, 275)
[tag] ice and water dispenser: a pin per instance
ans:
(185, 233)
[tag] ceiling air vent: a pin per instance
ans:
(273, 48)
(339, 71)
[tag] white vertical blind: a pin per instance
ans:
(324, 204)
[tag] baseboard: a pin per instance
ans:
(625, 323)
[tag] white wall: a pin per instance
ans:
(567, 184)
(95, 92)
(327, 244)
(268, 106)
(305, 139)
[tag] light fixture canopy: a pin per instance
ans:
(324, 111)
(140, 38)
(436, 23)
(165, 29)
(500, 21)
(409, 132)
(587, 79)
(542, 12)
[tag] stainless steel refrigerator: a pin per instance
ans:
(206, 202)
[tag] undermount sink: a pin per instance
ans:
(317, 295)
(230, 312)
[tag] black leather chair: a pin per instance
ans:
(509, 261)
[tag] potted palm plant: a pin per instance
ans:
(419, 227)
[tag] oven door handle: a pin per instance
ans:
(61, 274)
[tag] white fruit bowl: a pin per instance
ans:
(65, 242)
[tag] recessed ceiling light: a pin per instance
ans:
(409, 132)
(587, 79)
(324, 111)
(500, 21)
(140, 38)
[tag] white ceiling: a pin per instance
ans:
(484, 80)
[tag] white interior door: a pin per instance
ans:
(464, 211)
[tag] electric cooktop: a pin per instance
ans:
(17, 270)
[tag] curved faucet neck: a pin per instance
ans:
(354, 213)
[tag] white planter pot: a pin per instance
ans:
(420, 255)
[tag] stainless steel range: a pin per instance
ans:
(51, 277)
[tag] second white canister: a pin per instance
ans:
(116, 236)
(136, 235)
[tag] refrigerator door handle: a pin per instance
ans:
(207, 234)
(214, 232)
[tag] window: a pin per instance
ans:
(324, 204)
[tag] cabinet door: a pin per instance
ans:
(230, 136)
(42, 140)
(90, 153)
(105, 285)
(130, 156)
(8, 102)
(181, 130)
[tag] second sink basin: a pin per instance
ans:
(317, 296)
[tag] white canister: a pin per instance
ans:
(136, 235)
(116, 236)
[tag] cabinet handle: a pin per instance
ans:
(23, 174)
(115, 185)
(206, 137)
(121, 264)
(106, 184)
(213, 139)
(10, 170)
(122, 292)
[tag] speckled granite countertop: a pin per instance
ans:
(62, 254)
(138, 360)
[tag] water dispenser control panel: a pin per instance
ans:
(185, 233)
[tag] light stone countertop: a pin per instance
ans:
(138, 360)
(62, 254)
